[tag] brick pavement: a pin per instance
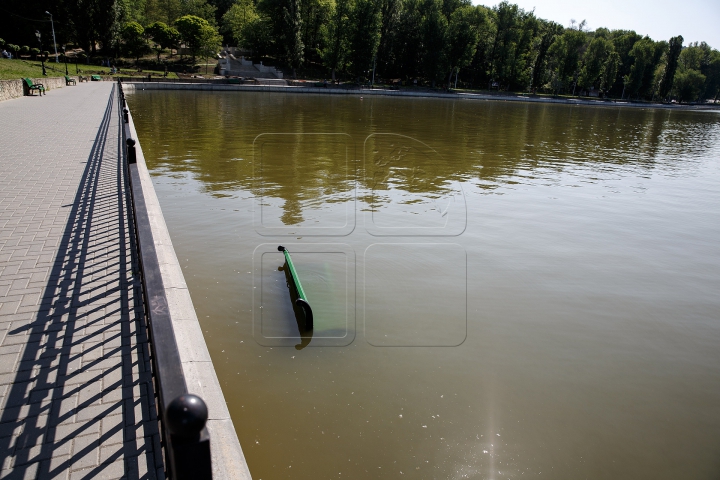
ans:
(76, 394)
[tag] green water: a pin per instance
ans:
(501, 290)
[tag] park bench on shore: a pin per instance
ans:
(30, 86)
(96, 78)
(69, 80)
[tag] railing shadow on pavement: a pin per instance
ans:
(83, 394)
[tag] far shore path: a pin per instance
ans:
(310, 88)
(76, 393)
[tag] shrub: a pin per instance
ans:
(24, 50)
(35, 52)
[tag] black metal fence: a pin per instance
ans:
(214, 81)
(182, 415)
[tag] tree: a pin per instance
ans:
(609, 71)
(688, 85)
(645, 54)
(335, 39)
(712, 76)
(548, 32)
(314, 14)
(294, 46)
(623, 41)
(364, 35)
(673, 53)
(565, 56)
(257, 36)
(209, 44)
(408, 42)
(387, 60)
(194, 31)
(164, 36)
(433, 31)
(462, 38)
(236, 19)
(594, 61)
(133, 39)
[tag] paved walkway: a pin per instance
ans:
(76, 394)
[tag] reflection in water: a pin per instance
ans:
(590, 262)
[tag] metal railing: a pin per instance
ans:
(214, 81)
(182, 415)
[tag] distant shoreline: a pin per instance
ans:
(412, 93)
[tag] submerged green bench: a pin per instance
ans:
(30, 86)
(69, 80)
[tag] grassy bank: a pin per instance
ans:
(14, 69)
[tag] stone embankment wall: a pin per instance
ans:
(14, 88)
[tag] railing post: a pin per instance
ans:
(131, 154)
(189, 440)
(125, 115)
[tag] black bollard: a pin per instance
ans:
(131, 155)
(125, 115)
(186, 417)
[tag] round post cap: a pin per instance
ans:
(186, 415)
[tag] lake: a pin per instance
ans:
(500, 289)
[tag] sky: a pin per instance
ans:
(695, 20)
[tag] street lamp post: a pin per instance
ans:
(65, 58)
(52, 24)
(42, 57)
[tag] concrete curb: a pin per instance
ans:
(227, 456)
(404, 93)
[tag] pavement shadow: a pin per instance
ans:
(82, 399)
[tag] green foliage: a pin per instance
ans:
(258, 37)
(547, 33)
(433, 31)
(462, 37)
(163, 35)
(671, 64)
(688, 85)
(35, 52)
(610, 71)
(565, 53)
(336, 47)
(594, 61)
(364, 36)
(646, 55)
(24, 50)
(237, 18)
(133, 37)
(425, 39)
(294, 45)
(696, 61)
(199, 36)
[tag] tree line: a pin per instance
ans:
(437, 42)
